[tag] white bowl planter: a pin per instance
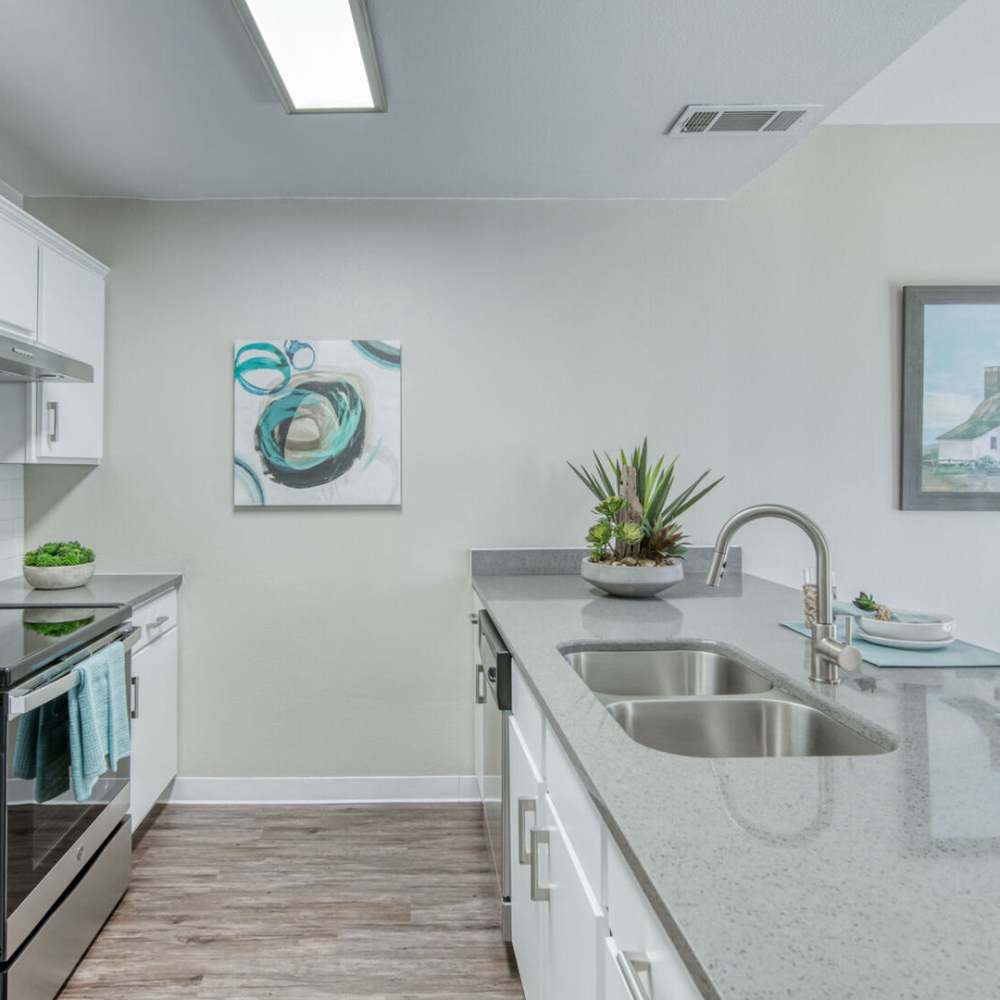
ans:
(58, 577)
(632, 581)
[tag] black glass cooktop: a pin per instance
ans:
(31, 637)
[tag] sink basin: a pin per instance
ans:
(664, 673)
(752, 727)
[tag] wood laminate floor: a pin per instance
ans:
(303, 903)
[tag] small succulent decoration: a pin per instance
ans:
(865, 602)
(638, 522)
(59, 554)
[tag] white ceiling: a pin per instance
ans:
(952, 75)
(487, 98)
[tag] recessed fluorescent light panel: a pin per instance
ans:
(319, 53)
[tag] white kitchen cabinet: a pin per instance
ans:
(526, 794)
(596, 936)
(18, 280)
(574, 924)
(68, 420)
(52, 292)
(154, 722)
(639, 934)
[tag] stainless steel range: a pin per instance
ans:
(65, 863)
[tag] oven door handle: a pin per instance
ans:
(21, 701)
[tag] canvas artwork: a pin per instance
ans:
(952, 398)
(316, 422)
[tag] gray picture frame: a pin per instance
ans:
(915, 298)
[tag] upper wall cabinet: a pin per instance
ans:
(69, 417)
(53, 292)
(18, 280)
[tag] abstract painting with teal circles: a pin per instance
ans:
(317, 422)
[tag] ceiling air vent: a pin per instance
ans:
(698, 118)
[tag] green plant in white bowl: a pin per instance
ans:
(637, 543)
(59, 565)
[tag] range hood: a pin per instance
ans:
(26, 361)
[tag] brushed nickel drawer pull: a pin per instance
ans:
(539, 893)
(632, 965)
(524, 806)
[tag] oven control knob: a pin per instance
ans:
(492, 674)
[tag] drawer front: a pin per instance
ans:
(639, 933)
(529, 716)
(579, 815)
(155, 617)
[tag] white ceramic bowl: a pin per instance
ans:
(924, 628)
(632, 581)
(58, 577)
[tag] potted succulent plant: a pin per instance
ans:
(637, 544)
(59, 565)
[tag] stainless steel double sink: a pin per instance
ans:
(697, 701)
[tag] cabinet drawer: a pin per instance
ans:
(155, 617)
(18, 280)
(529, 716)
(638, 932)
(579, 815)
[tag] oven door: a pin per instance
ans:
(49, 836)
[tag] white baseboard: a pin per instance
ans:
(234, 791)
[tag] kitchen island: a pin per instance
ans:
(816, 878)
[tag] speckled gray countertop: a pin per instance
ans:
(103, 589)
(814, 878)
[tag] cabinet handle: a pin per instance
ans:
(162, 620)
(539, 893)
(52, 409)
(135, 697)
(524, 806)
(632, 965)
(480, 685)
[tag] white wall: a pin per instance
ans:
(11, 520)
(820, 247)
(759, 337)
(335, 642)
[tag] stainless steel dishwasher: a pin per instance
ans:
(493, 692)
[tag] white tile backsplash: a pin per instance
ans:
(11, 520)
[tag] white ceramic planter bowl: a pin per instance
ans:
(930, 628)
(631, 581)
(58, 577)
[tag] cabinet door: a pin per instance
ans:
(526, 916)
(653, 959)
(18, 280)
(70, 418)
(574, 922)
(154, 723)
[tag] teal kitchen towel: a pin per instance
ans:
(98, 719)
(958, 654)
(41, 749)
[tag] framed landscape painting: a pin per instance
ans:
(316, 423)
(951, 398)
